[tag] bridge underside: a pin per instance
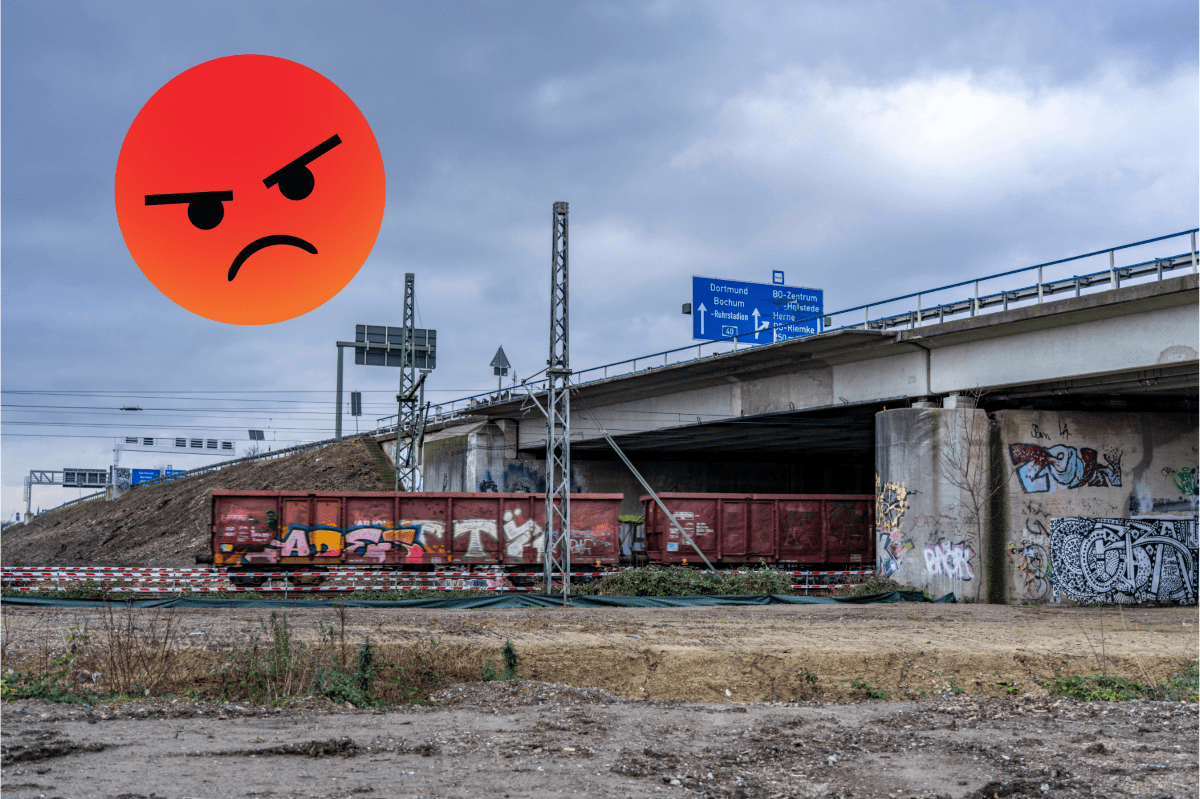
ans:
(847, 431)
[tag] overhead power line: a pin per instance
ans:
(160, 426)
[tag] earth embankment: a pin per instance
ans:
(168, 524)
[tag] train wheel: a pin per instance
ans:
(247, 581)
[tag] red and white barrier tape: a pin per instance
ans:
(136, 574)
(280, 589)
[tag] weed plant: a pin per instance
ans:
(861, 689)
(511, 665)
(1183, 686)
(685, 581)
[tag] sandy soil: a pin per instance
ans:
(630, 703)
(743, 654)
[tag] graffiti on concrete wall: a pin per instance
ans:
(950, 559)
(891, 503)
(1031, 560)
(1184, 479)
(1125, 560)
(1041, 469)
(892, 546)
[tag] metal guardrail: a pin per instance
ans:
(77, 501)
(262, 456)
(971, 306)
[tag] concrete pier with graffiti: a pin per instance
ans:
(1038, 506)
(1125, 560)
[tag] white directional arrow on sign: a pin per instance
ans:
(756, 327)
(701, 309)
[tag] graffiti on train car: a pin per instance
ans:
(371, 541)
(300, 541)
(475, 531)
(518, 534)
(374, 541)
(586, 542)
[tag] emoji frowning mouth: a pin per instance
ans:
(267, 241)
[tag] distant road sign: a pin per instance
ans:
(146, 475)
(500, 362)
(379, 345)
(85, 478)
(757, 313)
(143, 475)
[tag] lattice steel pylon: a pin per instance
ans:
(408, 416)
(557, 542)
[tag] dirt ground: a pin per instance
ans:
(746, 654)
(631, 702)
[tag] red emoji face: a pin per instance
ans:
(250, 189)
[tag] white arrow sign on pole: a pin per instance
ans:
(701, 309)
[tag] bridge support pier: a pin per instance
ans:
(965, 498)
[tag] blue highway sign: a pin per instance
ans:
(146, 475)
(143, 475)
(757, 313)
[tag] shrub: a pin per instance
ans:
(686, 581)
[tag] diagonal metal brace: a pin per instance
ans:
(649, 490)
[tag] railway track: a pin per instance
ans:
(167, 580)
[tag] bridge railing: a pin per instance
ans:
(988, 294)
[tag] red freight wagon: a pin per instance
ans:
(808, 529)
(401, 530)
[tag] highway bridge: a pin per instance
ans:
(1098, 366)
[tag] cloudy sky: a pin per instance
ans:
(868, 149)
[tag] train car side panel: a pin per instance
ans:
(697, 515)
(298, 529)
(763, 532)
(801, 530)
(849, 537)
(594, 534)
(737, 529)
(243, 527)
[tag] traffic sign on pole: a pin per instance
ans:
(756, 313)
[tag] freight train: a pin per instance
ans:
(260, 531)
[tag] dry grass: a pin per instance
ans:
(122, 652)
(135, 652)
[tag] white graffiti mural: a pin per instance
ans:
(475, 530)
(1125, 560)
(518, 534)
(951, 560)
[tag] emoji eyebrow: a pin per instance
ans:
(187, 197)
(316, 152)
